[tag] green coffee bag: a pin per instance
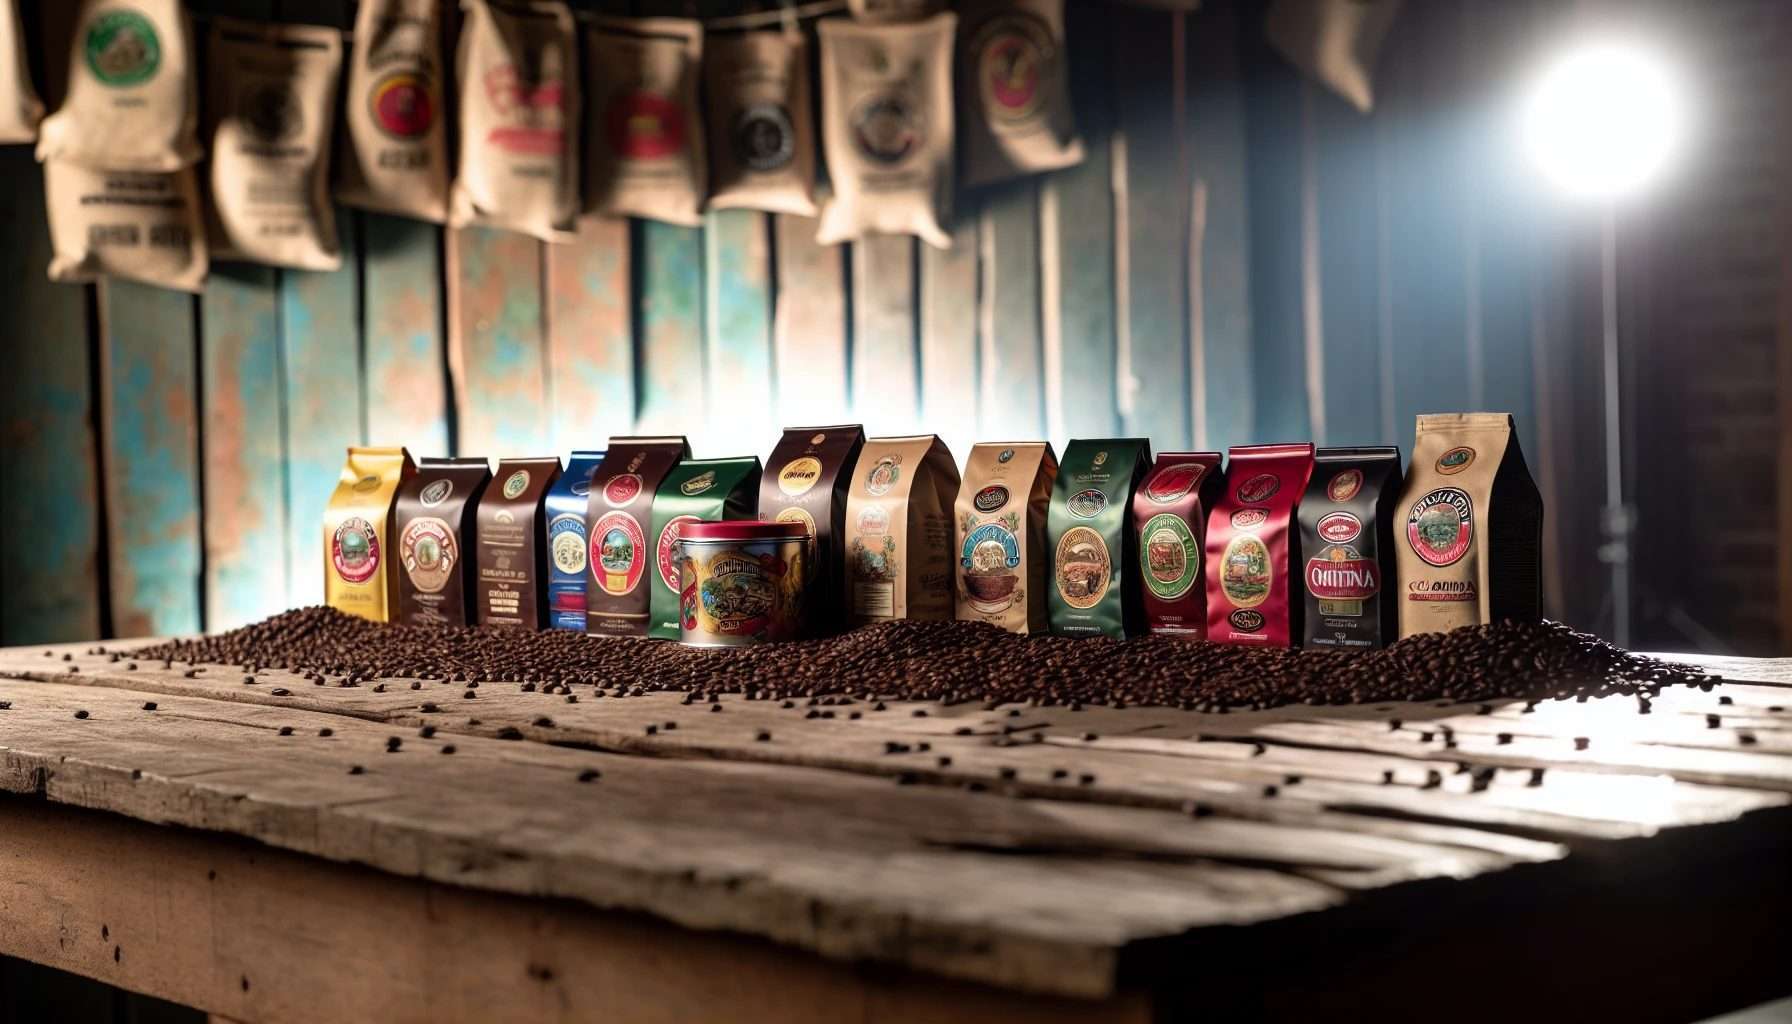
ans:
(696, 490)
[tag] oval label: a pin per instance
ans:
(1172, 483)
(698, 484)
(1440, 526)
(1246, 620)
(883, 475)
(1169, 556)
(1261, 487)
(435, 492)
(1245, 572)
(666, 546)
(515, 484)
(990, 499)
(566, 543)
(1339, 528)
(1249, 518)
(617, 561)
(800, 475)
(355, 550)
(1087, 504)
(1082, 567)
(621, 489)
(367, 483)
(1344, 486)
(428, 553)
(1455, 460)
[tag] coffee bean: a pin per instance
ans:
(447, 748)
(280, 691)
(355, 769)
(81, 714)
(590, 775)
(286, 730)
(392, 744)
(763, 736)
(326, 732)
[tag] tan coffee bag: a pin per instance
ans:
(519, 116)
(886, 113)
(881, 11)
(131, 90)
(272, 106)
(644, 146)
(899, 531)
(360, 572)
(1002, 558)
(1334, 41)
(397, 155)
(139, 225)
(761, 133)
(1012, 91)
(19, 106)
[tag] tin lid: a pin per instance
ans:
(743, 529)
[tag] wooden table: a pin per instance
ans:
(256, 850)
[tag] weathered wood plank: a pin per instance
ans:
(1012, 403)
(591, 355)
(405, 390)
(495, 343)
(885, 378)
(809, 325)
(737, 327)
(149, 408)
(670, 312)
(949, 336)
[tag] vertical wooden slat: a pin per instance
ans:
(495, 349)
(1345, 171)
(406, 381)
(1276, 152)
(809, 325)
(1013, 405)
(885, 379)
(591, 356)
(243, 449)
(738, 333)
(149, 408)
(670, 312)
(949, 336)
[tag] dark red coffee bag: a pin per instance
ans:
(1253, 546)
(1169, 510)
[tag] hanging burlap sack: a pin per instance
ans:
(1012, 91)
(397, 155)
(761, 133)
(1334, 42)
(130, 98)
(140, 225)
(19, 107)
(644, 146)
(885, 11)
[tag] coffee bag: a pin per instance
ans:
(644, 150)
(806, 481)
(130, 103)
(1000, 538)
(899, 531)
(139, 225)
(1094, 547)
(1169, 511)
(695, 491)
(569, 541)
(886, 113)
(761, 130)
(360, 575)
(1253, 546)
(273, 109)
(436, 534)
(618, 597)
(519, 116)
(19, 107)
(1473, 527)
(397, 155)
(1347, 539)
(877, 11)
(1013, 91)
(512, 546)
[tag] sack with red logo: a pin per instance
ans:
(1169, 511)
(644, 146)
(1253, 547)
(397, 155)
(1013, 91)
(1347, 541)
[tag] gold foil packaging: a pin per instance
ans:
(360, 570)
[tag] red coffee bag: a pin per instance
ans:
(1170, 512)
(1253, 541)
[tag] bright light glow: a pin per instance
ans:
(1604, 120)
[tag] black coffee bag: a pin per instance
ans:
(1347, 538)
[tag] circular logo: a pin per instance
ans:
(987, 561)
(1100, 460)
(1169, 556)
(883, 476)
(1246, 620)
(402, 106)
(1245, 575)
(763, 137)
(1344, 486)
(617, 559)
(818, 438)
(270, 111)
(698, 484)
(367, 484)
(798, 514)
(1455, 461)
(1172, 483)
(645, 126)
(1014, 54)
(886, 129)
(990, 499)
(874, 521)
(1248, 518)
(1261, 487)
(1006, 455)
(566, 543)
(1339, 528)
(663, 549)
(515, 484)
(428, 553)
(1082, 567)
(122, 49)
(1087, 504)
(623, 488)
(1440, 526)
(355, 550)
(799, 476)
(435, 492)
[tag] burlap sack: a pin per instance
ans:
(140, 225)
(644, 146)
(883, 11)
(19, 107)
(761, 132)
(1334, 41)
(272, 105)
(886, 112)
(1012, 91)
(130, 98)
(519, 116)
(397, 155)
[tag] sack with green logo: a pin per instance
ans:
(19, 106)
(396, 160)
(139, 225)
(130, 103)
(696, 490)
(1094, 549)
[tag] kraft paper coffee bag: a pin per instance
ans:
(696, 490)
(761, 130)
(1095, 588)
(272, 106)
(396, 160)
(886, 113)
(436, 533)
(806, 481)
(644, 144)
(138, 225)
(512, 589)
(899, 531)
(1169, 511)
(1333, 41)
(519, 119)
(20, 109)
(618, 597)
(1254, 595)
(1471, 527)
(131, 98)
(1013, 91)
(1000, 540)
(360, 573)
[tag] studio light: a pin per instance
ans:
(1603, 120)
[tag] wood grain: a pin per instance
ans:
(809, 325)
(405, 387)
(495, 342)
(885, 377)
(737, 333)
(591, 356)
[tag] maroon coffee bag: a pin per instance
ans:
(1253, 546)
(1169, 510)
(512, 547)
(620, 512)
(435, 533)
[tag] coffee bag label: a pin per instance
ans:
(622, 558)
(1169, 514)
(1252, 549)
(761, 131)
(397, 156)
(645, 153)
(1346, 537)
(569, 541)
(1095, 588)
(129, 105)
(358, 567)
(140, 226)
(618, 553)
(1000, 536)
(430, 553)
(899, 530)
(696, 490)
(1013, 92)
(20, 109)
(513, 564)
(806, 481)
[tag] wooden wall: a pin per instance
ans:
(1242, 258)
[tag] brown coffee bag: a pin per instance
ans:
(644, 146)
(397, 155)
(512, 548)
(519, 116)
(899, 531)
(761, 132)
(435, 535)
(806, 481)
(138, 225)
(886, 115)
(272, 107)
(20, 109)
(1013, 91)
(360, 574)
(618, 595)
(130, 103)
(1000, 539)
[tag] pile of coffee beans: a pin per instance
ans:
(954, 662)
